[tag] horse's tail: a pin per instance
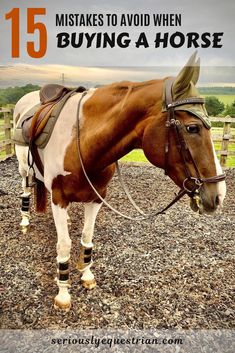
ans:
(40, 193)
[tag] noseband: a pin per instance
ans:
(173, 124)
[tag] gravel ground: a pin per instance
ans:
(175, 271)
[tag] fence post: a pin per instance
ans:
(225, 141)
(7, 130)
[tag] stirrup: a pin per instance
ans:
(27, 177)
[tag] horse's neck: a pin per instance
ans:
(116, 127)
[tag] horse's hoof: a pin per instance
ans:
(89, 284)
(58, 305)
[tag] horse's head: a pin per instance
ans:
(179, 140)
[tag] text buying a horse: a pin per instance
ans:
(91, 131)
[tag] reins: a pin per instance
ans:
(182, 148)
(144, 215)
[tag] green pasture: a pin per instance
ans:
(225, 98)
(138, 156)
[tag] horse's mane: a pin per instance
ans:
(124, 86)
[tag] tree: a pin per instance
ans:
(230, 109)
(214, 106)
(11, 95)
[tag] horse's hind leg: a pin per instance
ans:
(63, 298)
(25, 206)
(68, 217)
(22, 153)
(85, 261)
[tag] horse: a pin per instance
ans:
(166, 118)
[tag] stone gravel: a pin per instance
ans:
(174, 271)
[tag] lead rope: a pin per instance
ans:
(137, 219)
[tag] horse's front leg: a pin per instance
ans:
(85, 255)
(63, 298)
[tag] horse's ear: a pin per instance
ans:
(196, 72)
(190, 72)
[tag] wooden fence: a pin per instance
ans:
(226, 138)
(7, 146)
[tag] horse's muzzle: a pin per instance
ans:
(207, 202)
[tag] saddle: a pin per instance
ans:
(37, 129)
(52, 92)
(50, 95)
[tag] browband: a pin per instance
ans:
(191, 100)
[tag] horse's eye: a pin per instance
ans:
(192, 129)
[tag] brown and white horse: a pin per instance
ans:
(114, 120)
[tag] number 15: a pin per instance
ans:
(32, 26)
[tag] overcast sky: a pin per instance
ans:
(21, 74)
(197, 16)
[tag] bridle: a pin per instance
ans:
(171, 123)
(174, 124)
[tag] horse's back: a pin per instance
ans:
(25, 103)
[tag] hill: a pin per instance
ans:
(217, 90)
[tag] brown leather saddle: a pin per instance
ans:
(51, 95)
(52, 92)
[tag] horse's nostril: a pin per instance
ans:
(217, 200)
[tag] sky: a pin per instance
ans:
(95, 65)
(20, 75)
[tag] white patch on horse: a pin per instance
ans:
(64, 242)
(54, 152)
(63, 250)
(87, 96)
(221, 186)
(26, 103)
(91, 211)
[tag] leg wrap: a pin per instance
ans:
(84, 259)
(25, 203)
(63, 273)
(63, 298)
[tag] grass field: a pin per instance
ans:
(138, 156)
(225, 98)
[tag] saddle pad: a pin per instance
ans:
(17, 136)
(42, 140)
